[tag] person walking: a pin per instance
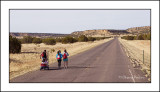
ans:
(43, 55)
(59, 58)
(65, 58)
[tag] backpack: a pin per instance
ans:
(65, 56)
(58, 57)
(44, 55)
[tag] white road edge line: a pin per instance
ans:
(128, 67)
(132, 76)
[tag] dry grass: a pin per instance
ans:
(134, 50)
(29, 59)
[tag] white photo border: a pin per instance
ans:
(6, 5)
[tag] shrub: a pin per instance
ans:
(49, 41)
(107, 37)
(14, 45)
(52, 50)
(82, 38)
(130, 37)
(58, 39)
(98, 38)
(145, 36)
(123, 37)
(69, 39)
(91, 39)
(27, 39)
(135, 37)
(140, 37)
(76, 39)
(102, 38)
(149, 36)
(37, 40)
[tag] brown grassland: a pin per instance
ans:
(134, 50)
(29, 58)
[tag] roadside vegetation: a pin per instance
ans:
(15, 43)
(49, 41)
(37, 40)
(138, 37)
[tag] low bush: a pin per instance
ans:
(135, 37)
(123, 37)
(82, 38)
(27, 39)
(68, 39)
(52, 50)
(149, 36)
(144, 36)
(14, 45)
(58, 39)
(140, 37)
(98, 38)
(130, 37)
(91, 39)
(37, 40)
(49, 41)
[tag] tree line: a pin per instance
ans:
(64, 40)
(15, 43)
(138, 37)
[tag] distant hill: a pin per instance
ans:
(16, 34)
(100, 32)
(137, 30)
(108, 32)
(95, 33)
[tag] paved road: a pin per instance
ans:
(105, 63)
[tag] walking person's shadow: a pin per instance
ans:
(70, 67)
(53, 68)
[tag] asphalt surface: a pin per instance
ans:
(106, 63)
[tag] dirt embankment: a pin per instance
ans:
(29, 58)
(134, 50)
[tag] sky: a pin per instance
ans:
(68, 21)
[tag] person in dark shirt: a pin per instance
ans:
(43, 55)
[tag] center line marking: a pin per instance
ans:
(132, 75)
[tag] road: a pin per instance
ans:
(106, 63)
